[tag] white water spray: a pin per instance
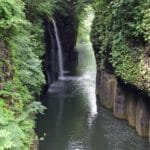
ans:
(60, 55)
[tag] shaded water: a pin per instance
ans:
(73, 121)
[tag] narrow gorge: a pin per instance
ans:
(75, 75)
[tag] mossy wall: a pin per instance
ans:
(120, 37)
(24, 43)
(21, 75)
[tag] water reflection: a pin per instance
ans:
(87, 82)
(73, 121)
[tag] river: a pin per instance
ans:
(73, 120)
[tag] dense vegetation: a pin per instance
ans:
(121, 37)
(120, 34)
(21, 48)
(21, 76)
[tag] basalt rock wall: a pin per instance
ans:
(125, 101)
(67, 30)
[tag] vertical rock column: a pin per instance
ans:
(131, 109)
(126, 104)
(120, 104)
(98, 82)
(142, 119)
(106, 89)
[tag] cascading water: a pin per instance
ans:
(60, 55)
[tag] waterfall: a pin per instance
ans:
(60, 55)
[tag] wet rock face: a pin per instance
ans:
(125, 102)
(50, 58)
(142, 119)
(67, 30)
(131, 110)
(106, 89)
(120, 104)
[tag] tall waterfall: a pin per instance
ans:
(60, 55)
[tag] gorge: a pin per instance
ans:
(87, 62)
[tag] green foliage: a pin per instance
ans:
(85, 25)
(146, 24)
(47, 8)
(11, 14)
(36, 9)
(124, 64)
(21, 77)
(27, 63)
(16, 132)
(25, 44)
(17, 111)
(120, 33)
(21, 74)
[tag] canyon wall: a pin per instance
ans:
(121, 48)
(67, 28)
(126, 101)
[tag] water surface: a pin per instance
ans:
(73, 121)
